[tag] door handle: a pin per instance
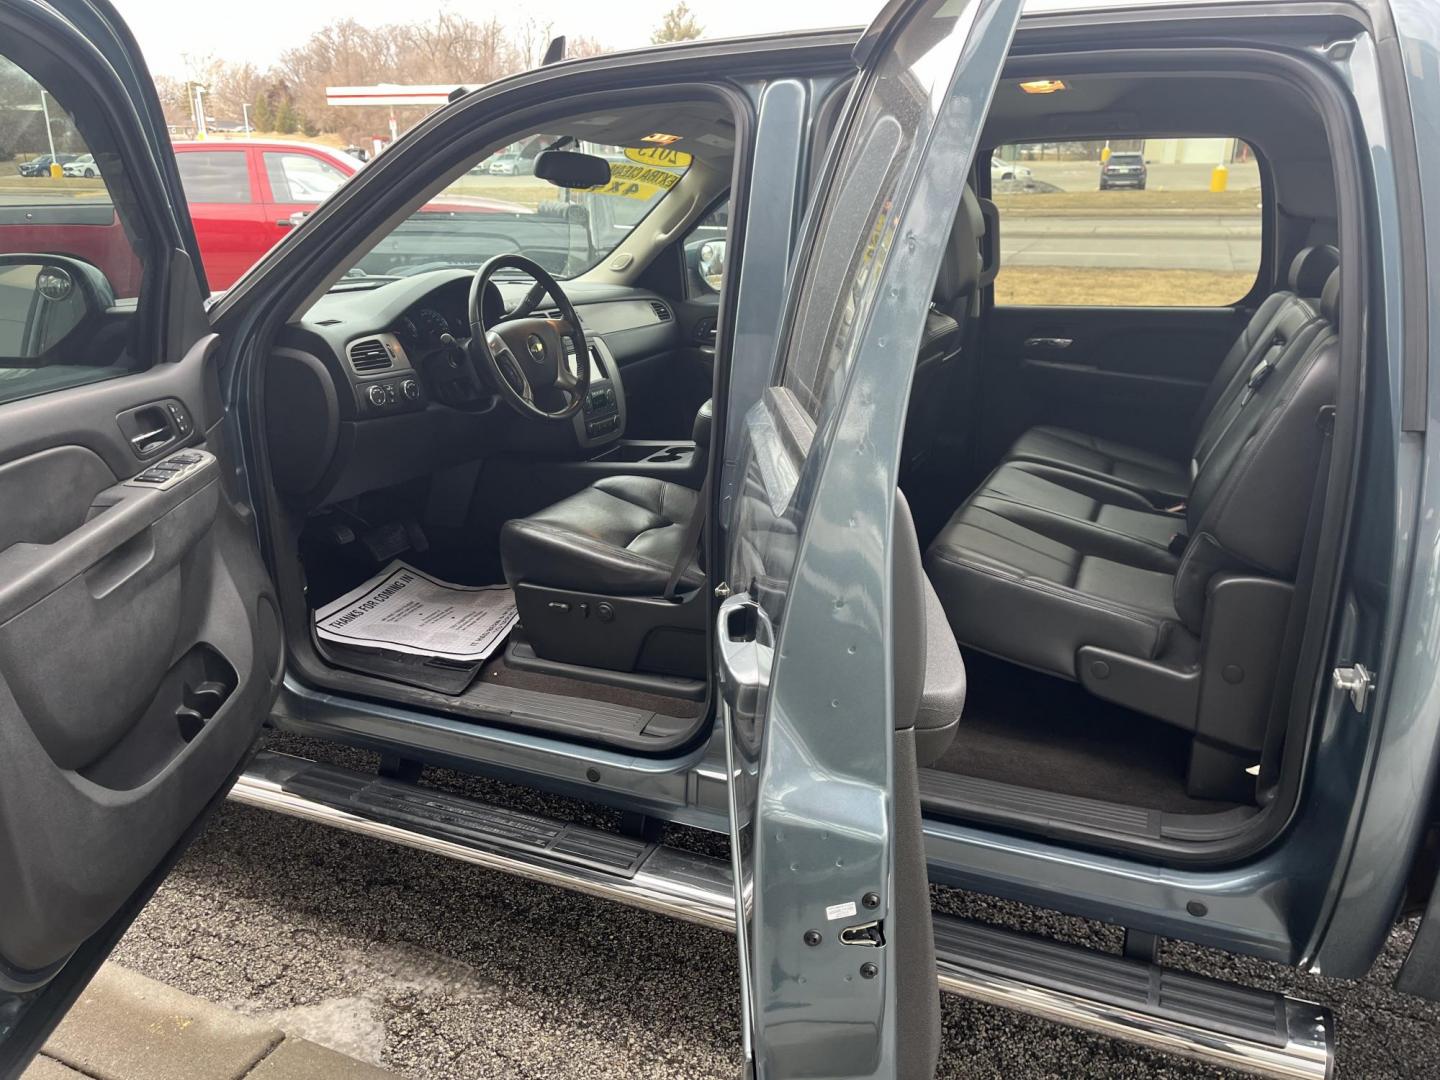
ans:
(1052, 343)
(148, 442)
(746, 650)
(293, 220)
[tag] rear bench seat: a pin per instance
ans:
(1161, 587)
(1164, 479)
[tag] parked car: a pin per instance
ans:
(40, 166)
(509, 165)
(245, 195)
(1122, 611)
(83, 166)
(1001, 169)
(1124, 168)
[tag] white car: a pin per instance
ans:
(1001, 169)
(84, 165)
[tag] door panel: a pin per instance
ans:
(1135, 375)
(139, 649)
(140, 645)
(835, 927)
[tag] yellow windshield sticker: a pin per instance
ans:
(637, 181)
(658, 155)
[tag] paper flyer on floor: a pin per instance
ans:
(404, 610)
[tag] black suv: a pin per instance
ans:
(1123, 169)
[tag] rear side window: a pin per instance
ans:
(301, 178)
(215, 176)
(1142, 222)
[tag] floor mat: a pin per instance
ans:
(1031, 730)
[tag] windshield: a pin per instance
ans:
(500, 207)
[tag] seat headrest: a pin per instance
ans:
(1311, 269)
(1330, 299)
(960, 268)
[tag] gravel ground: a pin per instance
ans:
(443, 971)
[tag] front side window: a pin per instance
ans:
(1140, 222)
(301, 178)
(215, 176)
(500, 206)
(71, 266)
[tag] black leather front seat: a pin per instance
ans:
(591, 573)
(620, 536)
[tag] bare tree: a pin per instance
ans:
(677, 24)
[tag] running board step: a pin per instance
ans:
(1172, 1011)
(603, 864)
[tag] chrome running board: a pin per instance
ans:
(1217, 1023)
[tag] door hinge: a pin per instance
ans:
(1356, 680)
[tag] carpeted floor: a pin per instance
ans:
(1032, 730)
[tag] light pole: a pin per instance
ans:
(245, 112)
(56, 171)
(197, 107)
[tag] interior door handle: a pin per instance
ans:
(746, 650)
(149, 441)
(1053, 343)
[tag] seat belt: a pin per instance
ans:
(691, 540)
(1280, 701)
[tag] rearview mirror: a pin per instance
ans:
(568, 169)
(43, 300)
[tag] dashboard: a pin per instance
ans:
(373, 386)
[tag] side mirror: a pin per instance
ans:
(706, 258)
(43, 300)
(569, 169)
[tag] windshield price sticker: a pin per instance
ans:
(637, 181)
(658, 155)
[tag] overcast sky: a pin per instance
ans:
(260, 30)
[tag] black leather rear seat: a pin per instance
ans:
(1164, 479)
(1173, 601)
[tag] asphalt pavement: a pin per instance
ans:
(444, 971)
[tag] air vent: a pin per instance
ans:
(370, 355)
(661, 311)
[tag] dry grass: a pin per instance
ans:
(15, 184)
(525, 190)
(1132, 202)
(1071, 286)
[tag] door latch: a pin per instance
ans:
(870, 935)
(1355, 680)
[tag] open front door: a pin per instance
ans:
(817, 641)
(140, 645)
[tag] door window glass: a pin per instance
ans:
(70, 267)
(301, 178)
(215, 176)
(1140, 222)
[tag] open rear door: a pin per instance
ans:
(140, 645)
(816, 654)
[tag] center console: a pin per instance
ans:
(602, 419)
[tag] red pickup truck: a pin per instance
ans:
(244, 195)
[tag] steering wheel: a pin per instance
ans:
(524, 356)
